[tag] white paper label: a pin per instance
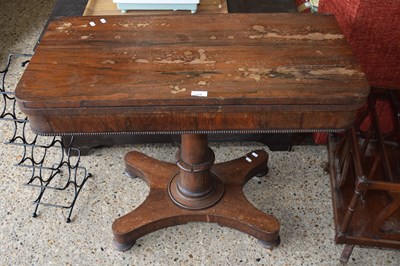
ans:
(103, 20)
(199, 93)
(248, 159)
(91, 23)
(254, 154)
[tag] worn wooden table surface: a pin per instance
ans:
(294, 71)
(193, 75)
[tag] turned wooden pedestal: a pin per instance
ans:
(195, 190)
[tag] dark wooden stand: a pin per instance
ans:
(195, 190)
(365, 178)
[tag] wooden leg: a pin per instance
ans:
(222, 183)
(346, 253)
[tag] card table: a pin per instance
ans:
(193, 75)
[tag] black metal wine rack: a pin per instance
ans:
(53, 165)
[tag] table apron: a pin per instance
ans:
(175, 123)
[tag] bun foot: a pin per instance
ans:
(129, 174)
(123, 247)
(270, 245)
(263, 172)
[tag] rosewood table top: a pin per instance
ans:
(192, 73)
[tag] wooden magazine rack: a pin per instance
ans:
(365, 178)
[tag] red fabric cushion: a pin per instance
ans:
(373, 31)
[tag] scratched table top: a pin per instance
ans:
(202, 61)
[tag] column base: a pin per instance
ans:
(196, 203)
(231, 209)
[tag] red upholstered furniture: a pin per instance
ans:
(373, 30)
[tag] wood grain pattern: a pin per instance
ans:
(295, 63)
